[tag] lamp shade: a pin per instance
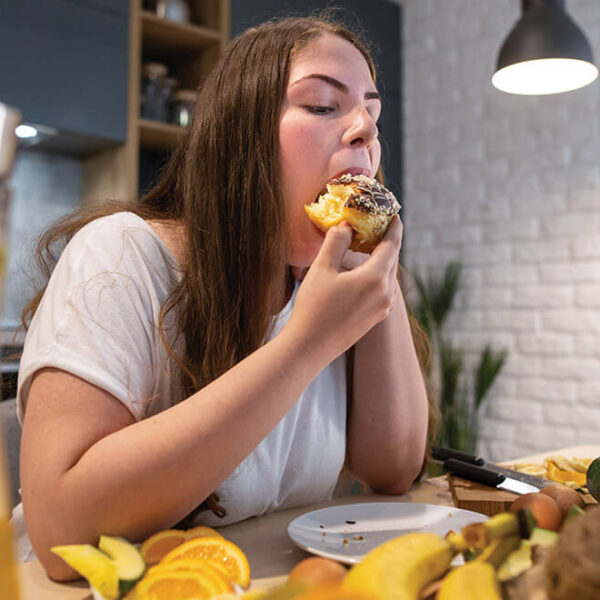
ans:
(545, 52)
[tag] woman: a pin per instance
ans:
(198, 341)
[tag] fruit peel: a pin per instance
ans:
(93, 565)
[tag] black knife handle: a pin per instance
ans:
(439, 453)
(473, 472)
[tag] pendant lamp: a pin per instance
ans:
(545, 52)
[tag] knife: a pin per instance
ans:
(442, 454)
(488, 477)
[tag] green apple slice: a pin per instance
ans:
(129, 562)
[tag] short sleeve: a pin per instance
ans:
(98, 318)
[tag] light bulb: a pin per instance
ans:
(545, 76)
(25, 131)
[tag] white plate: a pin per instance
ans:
(346, 533)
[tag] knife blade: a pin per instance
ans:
(487, 476)
(441, 454)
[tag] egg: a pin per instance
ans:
(564, 496)
(315, 570)
(544, 509)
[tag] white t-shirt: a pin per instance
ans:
(98, 320)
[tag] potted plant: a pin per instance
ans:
(459, 394)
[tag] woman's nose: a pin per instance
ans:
(362, 130)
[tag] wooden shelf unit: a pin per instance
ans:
(155, 135)
(190, 51)
(162, 34)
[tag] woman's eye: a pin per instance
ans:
(319, 110)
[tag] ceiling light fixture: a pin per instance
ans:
(545, 52)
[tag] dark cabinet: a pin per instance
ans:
(117, 6)
(63, 63)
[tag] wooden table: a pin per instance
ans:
(264, 539)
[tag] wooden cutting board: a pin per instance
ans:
(484, 499)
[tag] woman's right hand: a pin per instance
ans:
(335, 307)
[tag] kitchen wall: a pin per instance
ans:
(45, 186)
(510, 186)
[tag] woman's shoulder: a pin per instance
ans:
(114, 226)
(119, 236)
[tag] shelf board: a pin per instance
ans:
(176, 38)
(155, 135)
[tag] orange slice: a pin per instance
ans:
(183, 585)
(157, 546)
(566, 477)
(201, 531)
(219, 551)
(160, 544)
(199, 565)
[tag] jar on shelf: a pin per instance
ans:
(168, 85)
(155, 92)
(182, 107)
(173, 10)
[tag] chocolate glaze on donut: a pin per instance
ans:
(369, 195)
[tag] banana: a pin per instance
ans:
(399, 568)
(480, 535)
(499, 549)
(475, 580)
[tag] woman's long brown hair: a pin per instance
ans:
(222, 184)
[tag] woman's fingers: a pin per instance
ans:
(365, 295)
(393, 234)
(396, 234)
(352, 260)
(386, 254)
(337, 240)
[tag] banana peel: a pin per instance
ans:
(112, 569)
(475, 580)
(94, 565)
(497, 551)
(480, 535)
(400, 568)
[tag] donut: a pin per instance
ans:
(367, 205)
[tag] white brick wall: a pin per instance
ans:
(510, 186)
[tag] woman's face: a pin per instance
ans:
(328, 126)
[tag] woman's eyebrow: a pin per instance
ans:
(337, 84)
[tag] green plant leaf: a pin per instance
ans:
(442, 293)
(451, 364)
(422, 310)
(458, 405)
(490, 365)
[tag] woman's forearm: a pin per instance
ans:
(388, 417)
(150, 474)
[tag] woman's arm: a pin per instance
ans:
(387, 426)
(388, 418)
(87, 469)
